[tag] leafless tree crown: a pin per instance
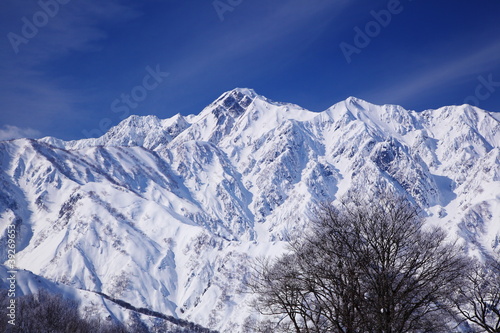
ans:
(365, 266)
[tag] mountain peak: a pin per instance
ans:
(244, 91)
(353, 99)
(238, 94)
(357, 103)
(233, 102)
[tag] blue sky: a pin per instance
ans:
(67, 66)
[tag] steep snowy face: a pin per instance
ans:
(167, 214)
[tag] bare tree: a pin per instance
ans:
(367, 266)
(479, 300)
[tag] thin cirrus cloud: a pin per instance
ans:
(34, 99)
(29, 94)
(72, 26)
(444, 73)
(251, 35)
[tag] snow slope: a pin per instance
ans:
(167, 214)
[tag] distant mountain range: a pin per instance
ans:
(167, 214)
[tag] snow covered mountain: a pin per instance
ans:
(167, 214)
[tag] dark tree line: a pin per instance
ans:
(371, 266)
(182, 325)
(44, 312)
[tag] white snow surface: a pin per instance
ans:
(168, 214)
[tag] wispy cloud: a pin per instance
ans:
(9, 132)
(440, 74)
(29, 92)
(249, 35)
(32, 98)
(73, 26)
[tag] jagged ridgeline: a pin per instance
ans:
(166, 215)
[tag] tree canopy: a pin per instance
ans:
(365, 266)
